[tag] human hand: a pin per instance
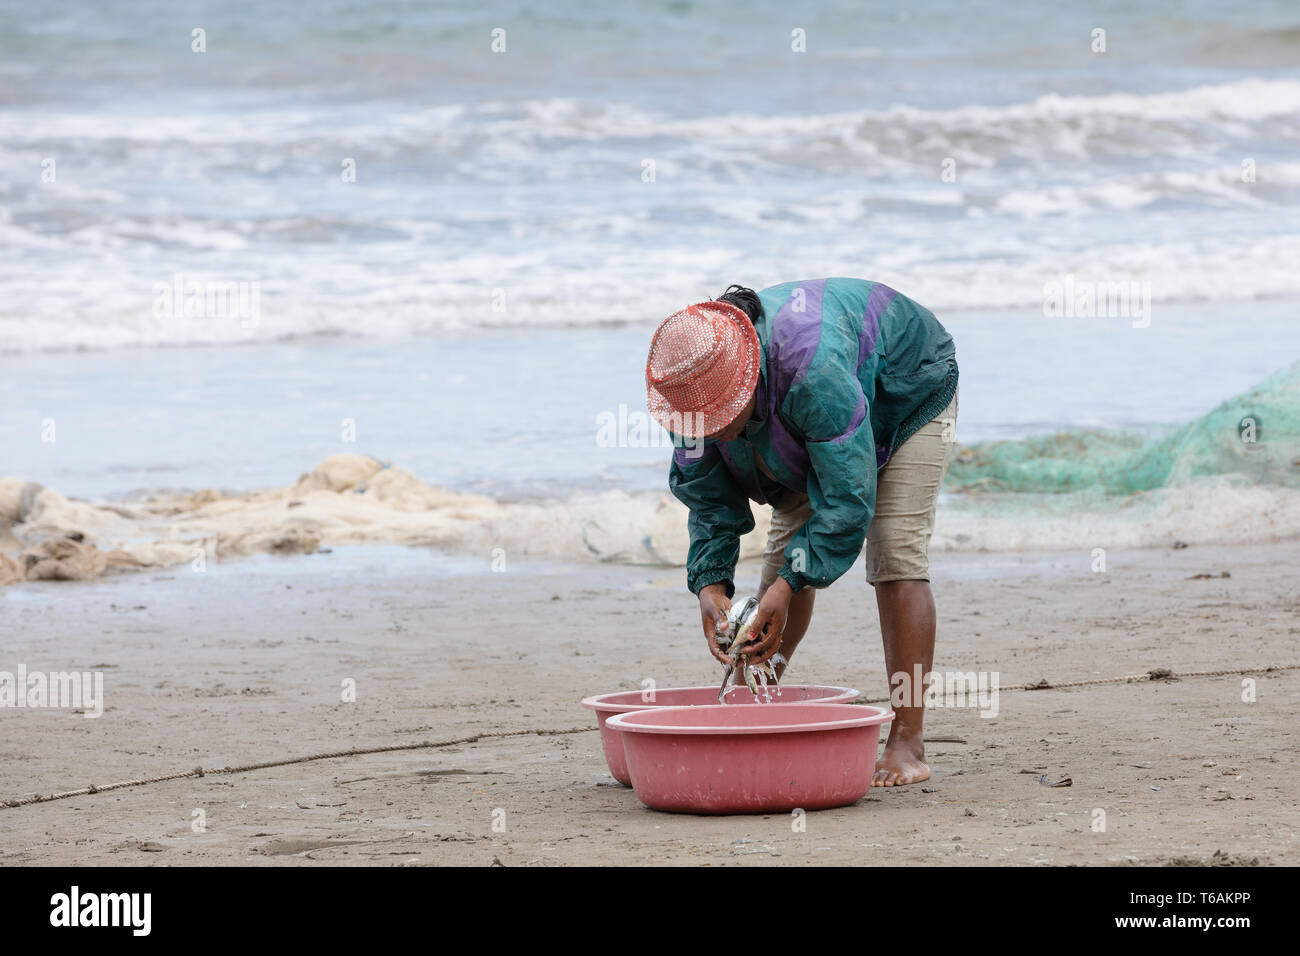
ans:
(769, 621)
(714, 605)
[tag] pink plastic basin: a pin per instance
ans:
(753, 759)
(607, 705)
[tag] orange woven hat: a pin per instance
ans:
(702, 369)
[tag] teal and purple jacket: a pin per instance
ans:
(850, 370)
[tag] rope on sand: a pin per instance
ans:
(1151, 676)
(1158, 674)
(244, 768)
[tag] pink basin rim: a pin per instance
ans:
(601, 703)
(643, 721)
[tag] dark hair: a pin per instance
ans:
(746, 300)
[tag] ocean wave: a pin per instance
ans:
(544, 199)
(397, 292)
(494, 134)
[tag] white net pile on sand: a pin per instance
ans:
(347, 499)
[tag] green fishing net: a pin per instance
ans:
(1255, 435)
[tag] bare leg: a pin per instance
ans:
(796, 623)
(907, 625)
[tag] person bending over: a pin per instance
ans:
(835, 402)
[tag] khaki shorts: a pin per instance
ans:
(907, 490)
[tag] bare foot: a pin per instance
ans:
(903, 762)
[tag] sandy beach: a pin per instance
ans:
(346, 365)
(245, 663)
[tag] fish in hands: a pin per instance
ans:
(736, 637)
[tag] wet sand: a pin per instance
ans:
(246, 662)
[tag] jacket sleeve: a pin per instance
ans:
(832, 414)
(720, 514)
